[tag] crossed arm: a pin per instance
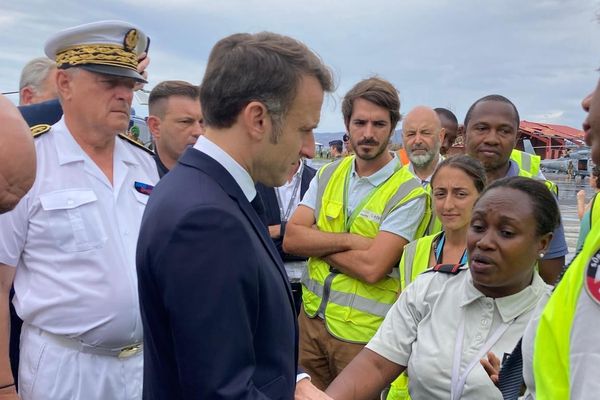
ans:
(366, 259)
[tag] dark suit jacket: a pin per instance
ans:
(271, 205)
(219, 321)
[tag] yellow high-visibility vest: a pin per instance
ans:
(352, 309)
(526, 161)
(551, 364)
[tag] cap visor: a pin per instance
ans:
(117, 71)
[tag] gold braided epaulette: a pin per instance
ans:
(135, 143)
(39, 129)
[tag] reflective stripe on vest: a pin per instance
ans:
(353, 310)
(415, 259)
(549, 184)
(526, 161)
(551, 364)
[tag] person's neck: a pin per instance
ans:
(240, 150)
(164, 157)
(99, 146)
(369, 167)
(504, 291)
(426, 171)
(457, 238)
(497, 173)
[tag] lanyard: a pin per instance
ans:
(439, 248)
(458, 379)
(285, 216)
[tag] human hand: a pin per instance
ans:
(305, 390)
(275, 231)
(9, 393)
(491, 366)
(581, 195)
(143, 62)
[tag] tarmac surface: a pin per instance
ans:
(567, 200)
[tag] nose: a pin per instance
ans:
(448, 202)
(368, 130)
(308, 146)
(486, 240)
(198, 129)
(586, 102)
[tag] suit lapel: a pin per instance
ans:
(223, 178)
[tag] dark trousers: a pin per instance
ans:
(15, 337)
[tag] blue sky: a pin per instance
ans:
(542, 54)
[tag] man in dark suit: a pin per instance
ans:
(217, 309)
(280, 203)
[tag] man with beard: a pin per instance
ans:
(422, 137)
(353, 223)
(491, 132)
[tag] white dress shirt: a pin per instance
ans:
(422, 331)
(239, 174)
(73, 239)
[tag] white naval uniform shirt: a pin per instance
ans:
(421, 328)
(73, 239)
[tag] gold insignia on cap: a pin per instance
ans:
(37, 130)
(130, 40)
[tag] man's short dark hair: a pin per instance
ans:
(265, 67)
(166, 89)
(378, 91)
(337, 144)
(493, 97)
(444, 112)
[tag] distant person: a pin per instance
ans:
(38, 81)
(491, 132)
(70, 243)
(450, 317)
(570, 170)
(336, 148)
(348, 150)
(451, 128)
(174, 120)
(422, 138)
(218, 314)
(354, 221)
(17, 157)
(280, 203)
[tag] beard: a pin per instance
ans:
(423, 160)
(374, 152)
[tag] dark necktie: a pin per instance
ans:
(510, 379)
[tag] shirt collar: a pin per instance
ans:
(513, 169)
(70, 151)
(380, 176)
(509, 307)
(239, 174)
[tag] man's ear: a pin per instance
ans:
(257, 120)
(442, 135)
(63, 84)
(154, 126)
(26, 96)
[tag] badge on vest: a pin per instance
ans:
(370, 215)
(592, 280)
